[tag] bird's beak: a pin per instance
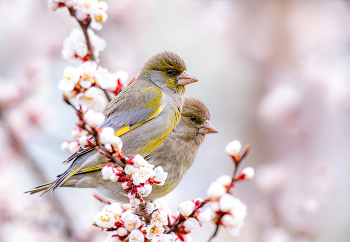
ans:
(185, 78)
(207, 128)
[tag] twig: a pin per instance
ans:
(116, 157)
(101, 199)
(177, 223)
(236, 162)
(21, 150)
(84, 27)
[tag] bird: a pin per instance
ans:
(175, 154)
(142, 115)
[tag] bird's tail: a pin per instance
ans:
(39, 188)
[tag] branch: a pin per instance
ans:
(116, 157)
(237, 160)
(84, 27)
(177, 223)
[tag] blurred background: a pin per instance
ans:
(274, 74)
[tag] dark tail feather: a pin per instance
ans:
(39, 188)
(60, 180)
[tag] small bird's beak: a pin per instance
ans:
(185, 78)
(207, 128)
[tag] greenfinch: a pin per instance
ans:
(142, 115)
(176, 155)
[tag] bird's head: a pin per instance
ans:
(195, 120)
(167, 70)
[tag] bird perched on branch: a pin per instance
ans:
(176, 155)
(142, 115)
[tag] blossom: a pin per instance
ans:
(162, 238)
(216, 190)
(160, 175)
(233, 148)
(188, 225)
(160, 218)
(115, 209)
(226, 202)
(84, 141)
(122, 231)
(142, 175)
(136, 236)
(224, 180)
(147, 190)
(73, 146)
(187, 238)
(94, 119)
(93, 98)
(71, 78)
(106, 135)
(131, 221)
(247, 173)
(233, 225)
(153, 230)
(99, 16)
(107, 172)
(186, 208)
(204, 217)
(78, 132)
(75, 44)
(134, 202)
(54, 4)
(65, 146)
(150, 207)
(104, 219)
(138, 161)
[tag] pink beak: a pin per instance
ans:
(185, 78)
(207, 128)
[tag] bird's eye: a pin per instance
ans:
(169, 71)
(193, 118)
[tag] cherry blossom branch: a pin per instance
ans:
(177, 223)
(117, 157)
(18, 146)
(84, 26)
(237, 160)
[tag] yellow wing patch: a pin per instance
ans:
(127, 128)
(91, 168)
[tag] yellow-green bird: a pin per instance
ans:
(176, 155)
(142, 115)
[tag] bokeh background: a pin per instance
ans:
(274, 74)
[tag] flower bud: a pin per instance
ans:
(186, 208)
(233, 148)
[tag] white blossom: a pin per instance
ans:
(186, 208)
(188, 225)
(94, 119)
(84, 141)
(224, 180)
(122, 231)
(150, 207)
(107, 172)
(130, 170)
(204, 217)
(160, 175)
(216, 190)
(65, 146)
(78, 132)
(106, 135)
(93, 98)
(132, 222)
(73, 146)
(71, 77)
(142, 175)
(159, 218)
(147, 189)
(153, 230)
(104, 219)
(136, 236)
(248, 173)
(232, 224)
(233, 148)
(134, 202)
(139, 161)
(188, 238)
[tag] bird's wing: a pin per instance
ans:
(132, 109)
(126, 112)
(129, 110)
